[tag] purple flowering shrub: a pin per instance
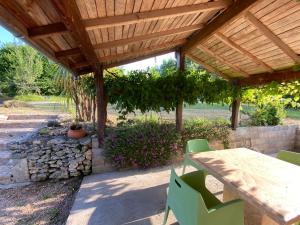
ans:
(142, 144)
(151, 143)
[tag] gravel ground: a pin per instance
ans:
(44, 203)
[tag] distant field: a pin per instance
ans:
(58, 103)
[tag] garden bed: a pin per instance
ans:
(43, 203)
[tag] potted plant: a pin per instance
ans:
(76, 131)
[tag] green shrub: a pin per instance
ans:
(217, 129)
(147, 143)
(268, 114)
(14, 104)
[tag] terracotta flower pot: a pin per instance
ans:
(76, 133)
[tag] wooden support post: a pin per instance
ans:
(235, 112)
(101, 106)
(180, 56)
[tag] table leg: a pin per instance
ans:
(252, 215)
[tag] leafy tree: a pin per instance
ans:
(45, 81)
(27, 67)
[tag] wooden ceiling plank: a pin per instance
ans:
(139, 17)
(224, 19)
(70, 16)
(222, 60)
(143, 51)
(207, 66)
(243, 51)
(272, 37)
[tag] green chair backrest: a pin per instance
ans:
(291, 157)
(197, 145)
(187, 203)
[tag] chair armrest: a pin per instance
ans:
(228, 213)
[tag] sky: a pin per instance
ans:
(6, 36)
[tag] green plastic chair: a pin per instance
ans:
(291, 157)
(194, 146)
(193, 204)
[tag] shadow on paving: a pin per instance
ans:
(121, 198)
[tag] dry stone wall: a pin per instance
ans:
(55, 157)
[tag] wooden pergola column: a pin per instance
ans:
(180, 57)
(101, 105)
(235, 107)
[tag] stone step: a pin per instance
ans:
(22, 123)
(30, 117)
(5, 156)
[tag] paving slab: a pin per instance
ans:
(131, 197)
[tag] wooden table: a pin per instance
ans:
(269, 187)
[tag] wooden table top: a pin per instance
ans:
(269, 184)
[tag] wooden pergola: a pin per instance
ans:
(248, 42)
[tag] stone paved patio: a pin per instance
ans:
(130, 197)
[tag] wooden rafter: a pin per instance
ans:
(222, 60)
(68, 53)
(272, 37)
(143, 51)
(126, 41)
(11, 23)
(145, 37)
(243, 51)
(111, 21)
(264, 78)
(225, 18)
(71, 18)
(207, 66)
(47, 30)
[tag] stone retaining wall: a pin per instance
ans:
(268, 140)
(55, 158)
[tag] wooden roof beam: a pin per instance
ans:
(143, 51)
(272, 37)
(222, 60)
(72, 20)
(222, 20)
(47, 30)
(243, 51)
(111, 44)
(68, 53)
(139, 17)
(207, 66)
(264, 78)
(150, 36)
